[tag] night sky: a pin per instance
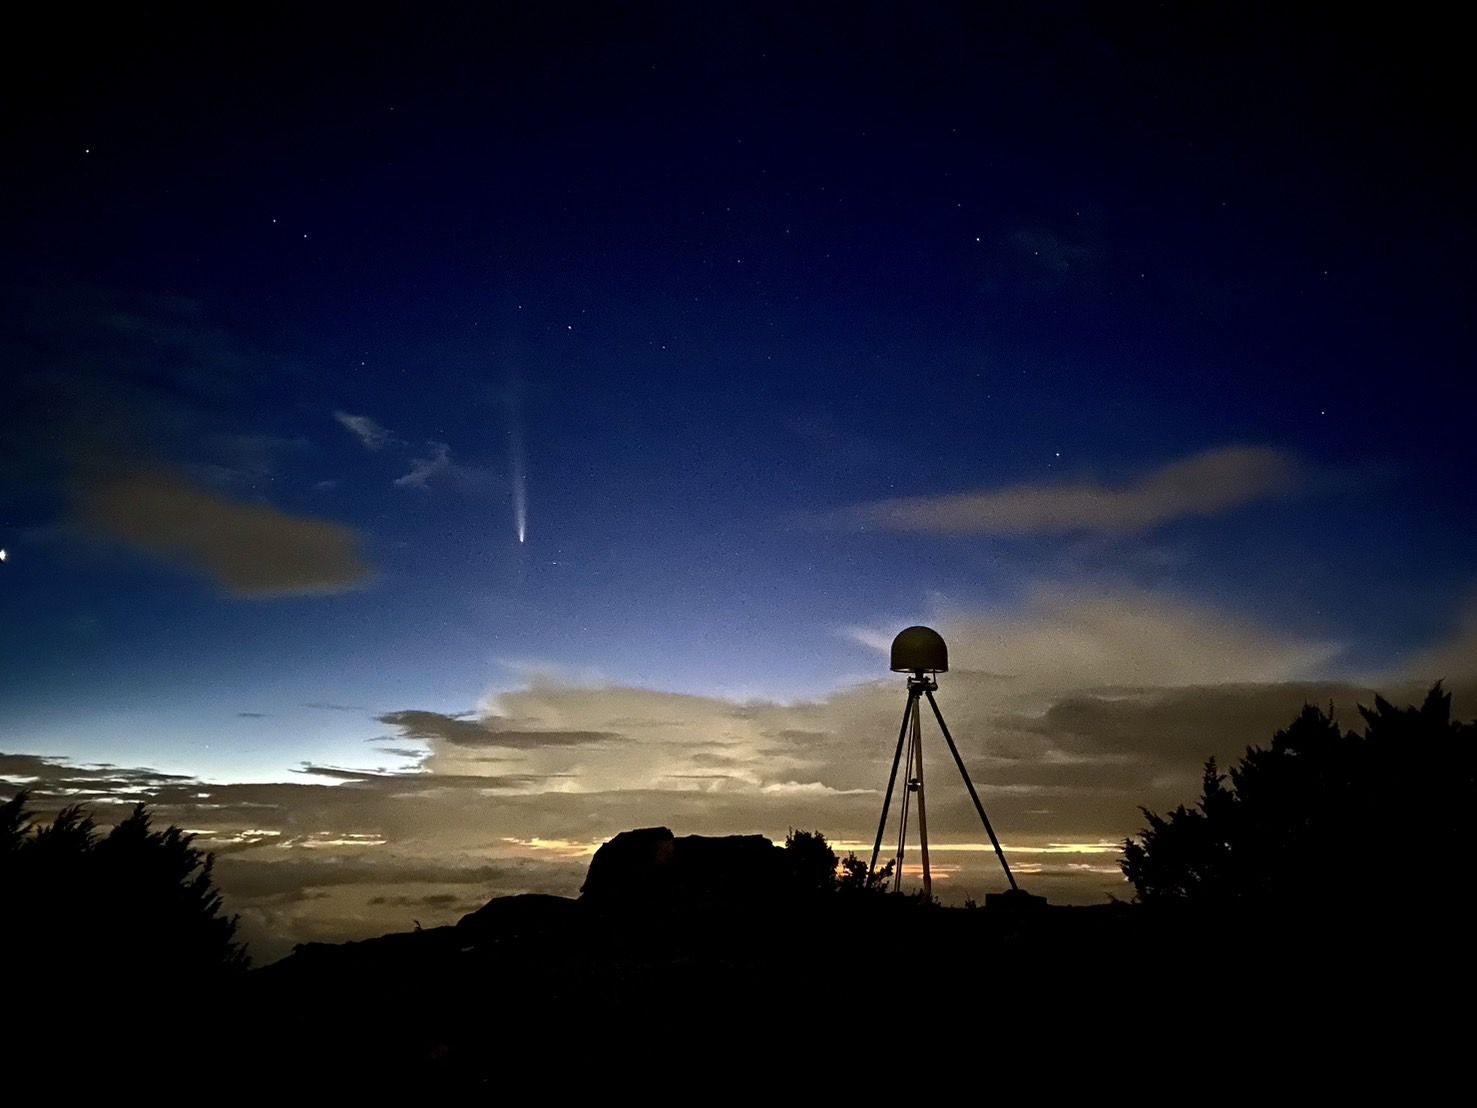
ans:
(435, 444)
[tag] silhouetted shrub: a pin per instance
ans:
(130, 908)
(857, 877)
(1319, 813)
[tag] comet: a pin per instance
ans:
(518, 469)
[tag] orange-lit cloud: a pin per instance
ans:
(250, 549)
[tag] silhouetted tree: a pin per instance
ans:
(1318, 812)
(813, 867)
(811, 862)
(1185, 855)
(132, 906)
(13, 818)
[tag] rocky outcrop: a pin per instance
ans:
(651, 866)
(527, 914)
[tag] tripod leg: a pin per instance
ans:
(922, 813)
(902, 823)
(902, 734)
(968, 784)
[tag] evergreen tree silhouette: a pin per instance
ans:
(1318, 812)
(135, 906)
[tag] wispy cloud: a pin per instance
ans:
(439, 468)
(1073, 636)
(1201, 485)
(875, 638)
(487, 732)
(251, 549)
(424, 470)
(366, 429)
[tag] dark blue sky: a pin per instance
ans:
(725, 276)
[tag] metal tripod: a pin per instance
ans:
(921, 684)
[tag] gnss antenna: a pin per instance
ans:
(921, 652)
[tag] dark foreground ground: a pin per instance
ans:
(843, 988)
(698, 969)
